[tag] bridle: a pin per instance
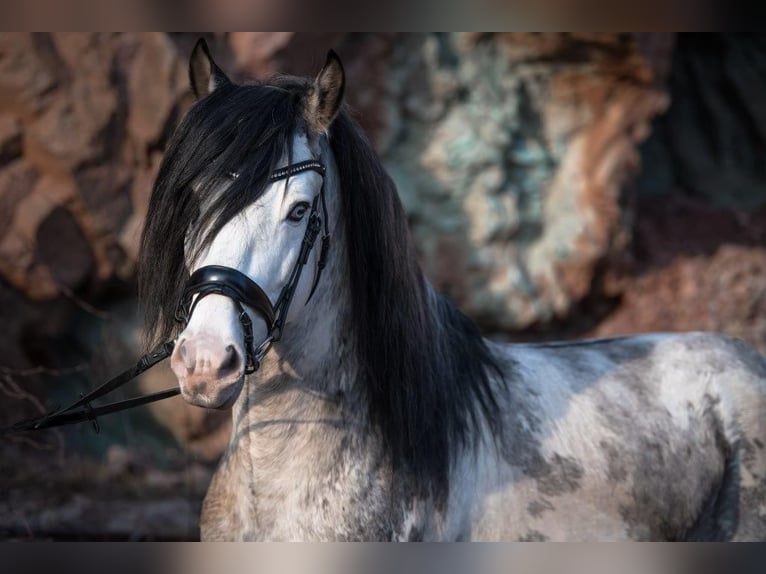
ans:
(207, 280)
(243, 291)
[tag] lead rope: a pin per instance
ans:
(81, 410)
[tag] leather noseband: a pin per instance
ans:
(228, 282)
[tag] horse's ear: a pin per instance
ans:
(326, 95)
(204, 75)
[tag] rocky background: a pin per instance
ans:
(558, 186)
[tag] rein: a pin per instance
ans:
(205, 281)
(81, 410)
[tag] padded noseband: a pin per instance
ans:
(230, 283)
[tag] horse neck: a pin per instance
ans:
(299, 417)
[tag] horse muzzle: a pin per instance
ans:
(231, 283)
(211, 365)
(210, 372)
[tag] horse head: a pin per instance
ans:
(252, 219)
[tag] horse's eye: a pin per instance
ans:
(298, 211)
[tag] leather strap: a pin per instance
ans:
(224, 281)
(81, 409)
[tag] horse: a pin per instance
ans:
(365, 405)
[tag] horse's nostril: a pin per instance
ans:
(230, 363)
(183, 357)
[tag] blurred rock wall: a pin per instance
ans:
(697, 256)
(516, 156)
(510, 151)
(83, 119)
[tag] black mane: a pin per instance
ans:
(423, 365)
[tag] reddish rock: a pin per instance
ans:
(64, 250)
(16, 180)
(31, 200)
(10, 139)
(72, 131)
(105, 193)
(26, 75)
(614, 121)
(157, 81)
(520, 147)
(61, 190)
(257, 54)
(28, 207)
(130, 235)
(694, 268)
(84, 53)
(142, 184)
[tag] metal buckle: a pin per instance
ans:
(90, 416)
(260, 352)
